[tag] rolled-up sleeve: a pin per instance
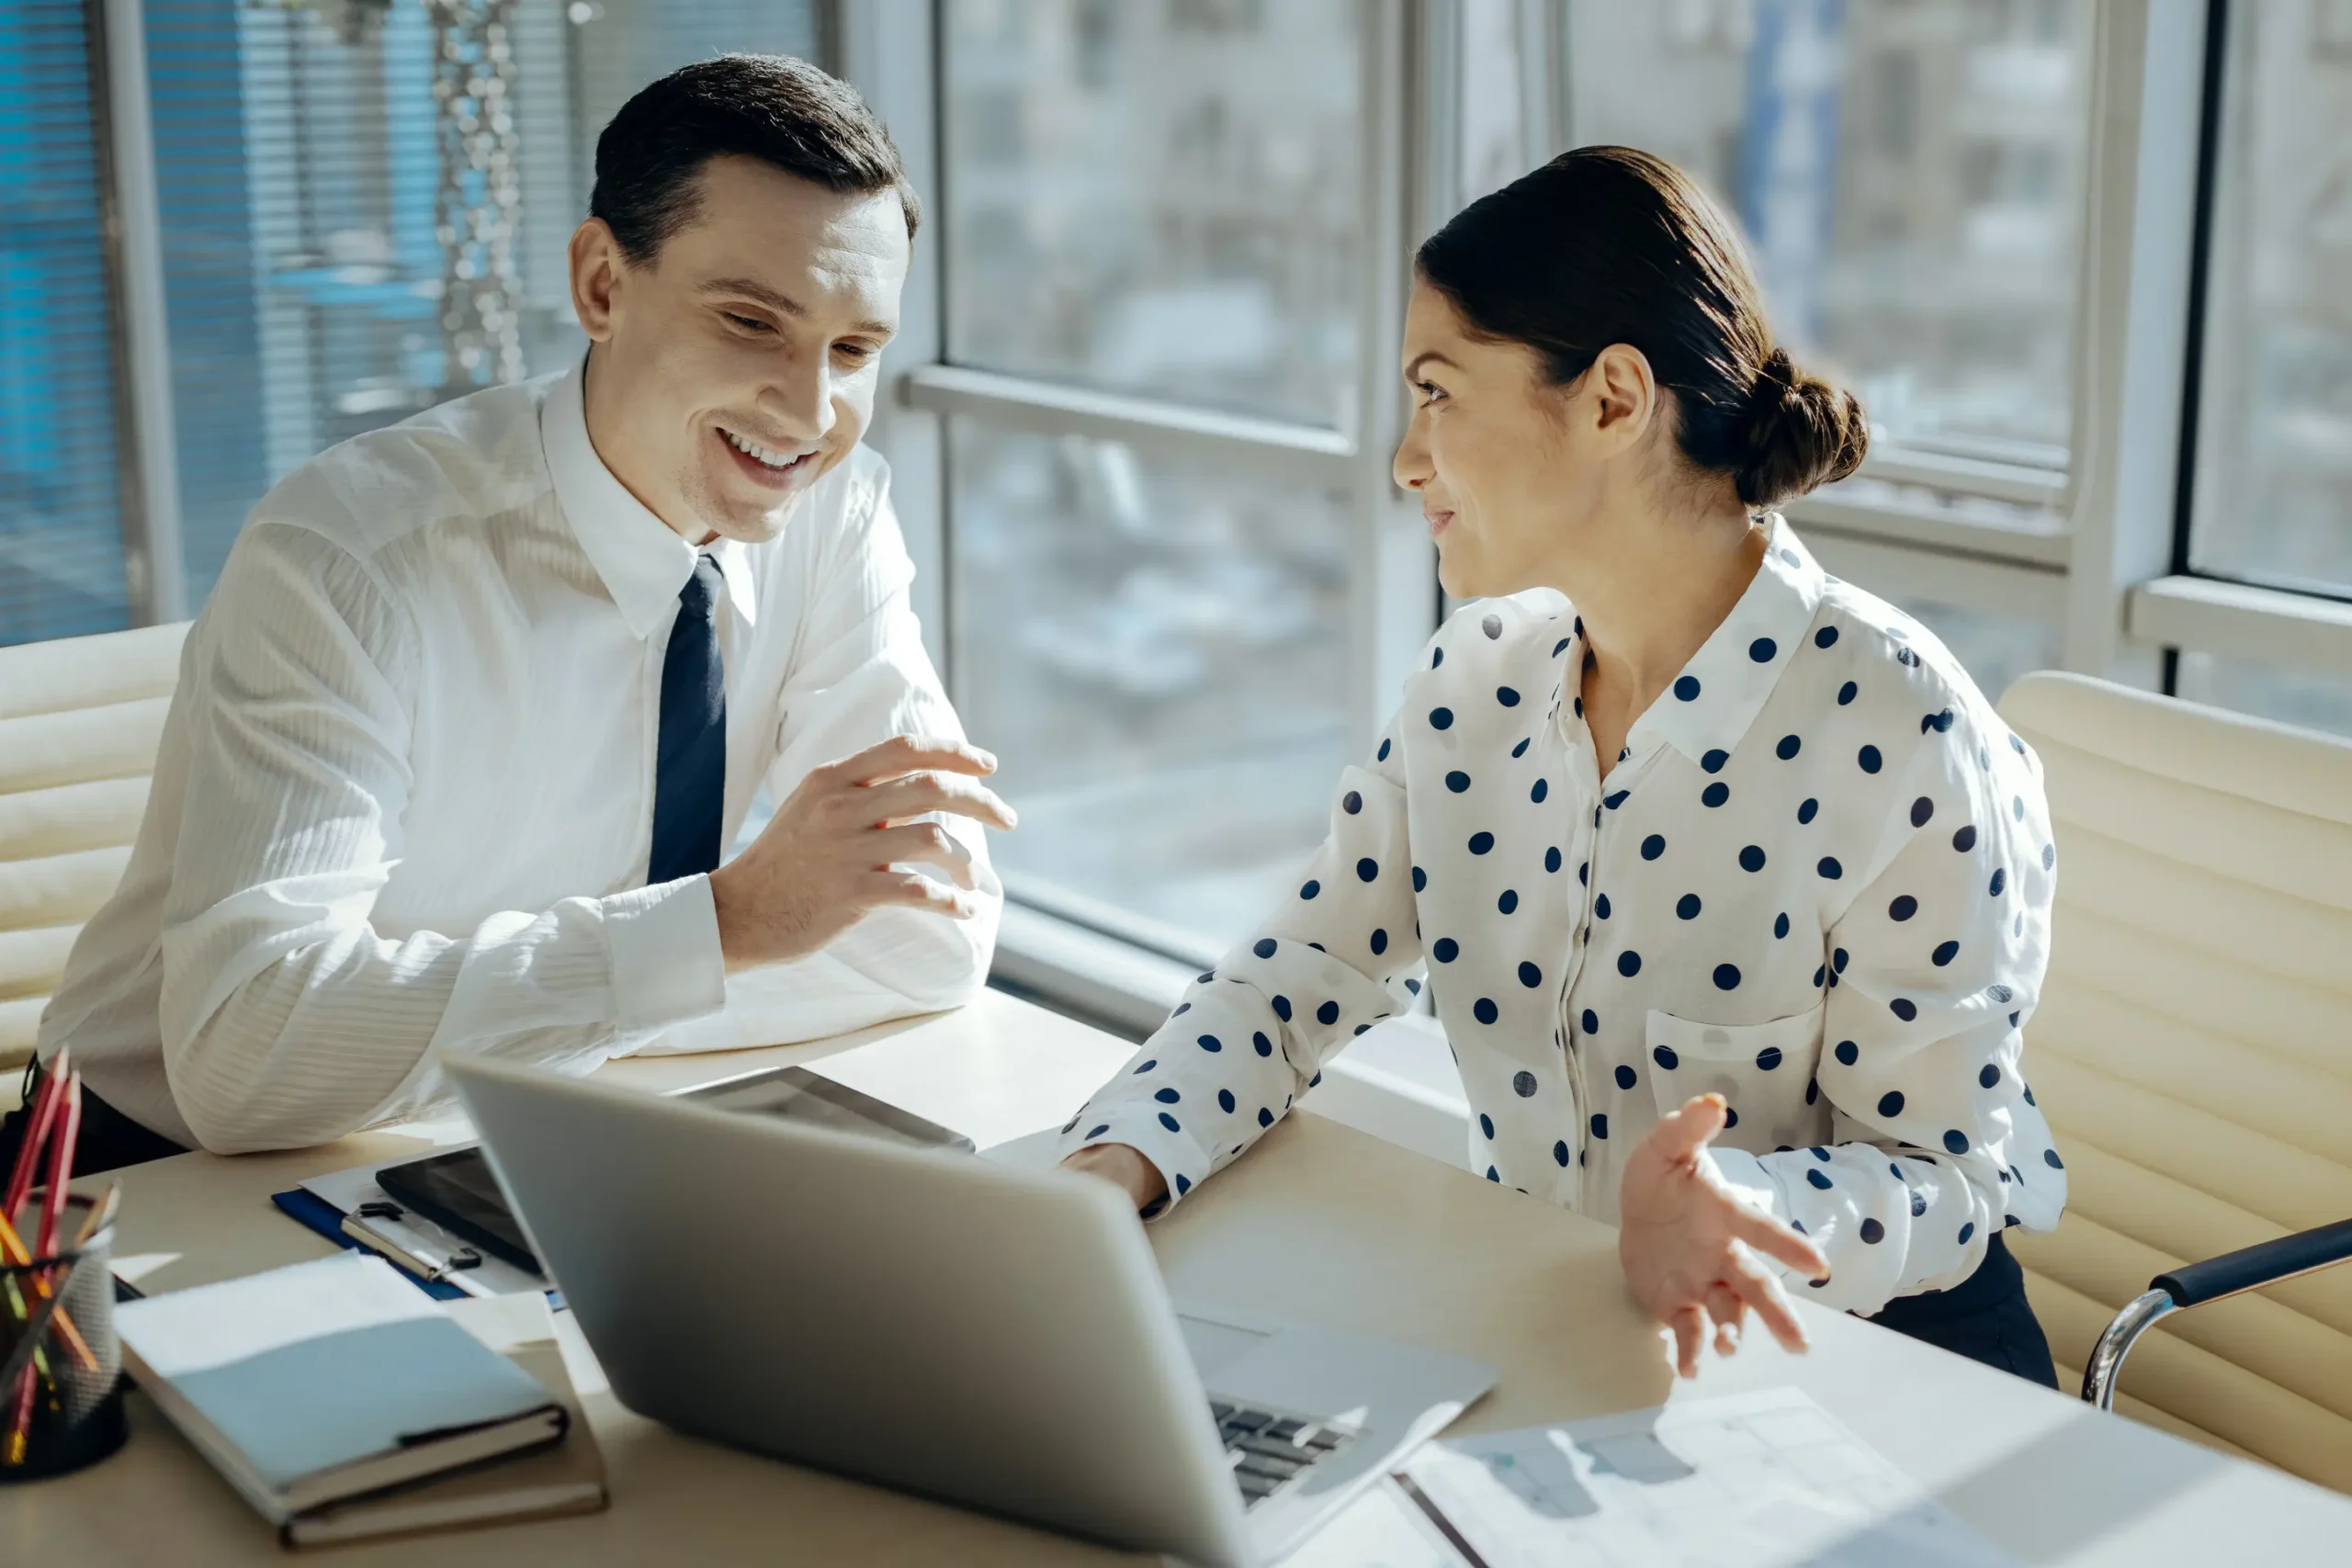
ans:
(1934, 969)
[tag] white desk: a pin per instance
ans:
(1321, 1222)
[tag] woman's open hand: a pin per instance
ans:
(1690, 1247)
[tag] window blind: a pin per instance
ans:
(61, 540)
(364, 206)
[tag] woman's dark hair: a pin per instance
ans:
(784, 112)
(1607, 245)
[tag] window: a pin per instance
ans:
(364, 208)
(60, 547)
(1910, 174)
(2275, 455)
(1142, 410)
(1154, 228)
(1995, 647)
(1157, 651)
(1158, 200)
(2313, 699)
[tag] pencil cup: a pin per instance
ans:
(60, 1400)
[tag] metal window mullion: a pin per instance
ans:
(888, 50)
(1393, 587)
(1906, 573)
(1544, 98)
(2132, 330)
(148, 491)
(2222, 380)
(2242, 621)
(1840, 511)
(1308, 454)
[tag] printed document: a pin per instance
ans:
(1762, 1480)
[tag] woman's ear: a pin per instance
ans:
(1625, 396)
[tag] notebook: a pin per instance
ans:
(568, 1478)
(323, 1382)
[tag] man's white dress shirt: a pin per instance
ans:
(405, 797)
(1818, 880)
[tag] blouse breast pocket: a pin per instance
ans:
(1762, 1070)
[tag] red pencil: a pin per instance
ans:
(61, 1163)
(44, 1110)
(68, 1128)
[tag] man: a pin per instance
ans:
(480, 698)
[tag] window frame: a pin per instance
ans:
(147, 460)
(2103, 573)
(2190, 609)
(892, 51)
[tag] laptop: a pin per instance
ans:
(995, 1336)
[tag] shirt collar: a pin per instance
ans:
(642, 560)
(1711, 705)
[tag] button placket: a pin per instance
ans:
(1583, 767)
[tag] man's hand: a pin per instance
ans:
(1688, 1245)
(847, 841)
(1124, 1167)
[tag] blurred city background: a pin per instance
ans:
(1172, 209)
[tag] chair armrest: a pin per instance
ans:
(2194, 1284)
(2252, 1268)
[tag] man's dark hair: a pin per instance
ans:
(784, 112)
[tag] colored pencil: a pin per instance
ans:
(59, 1123)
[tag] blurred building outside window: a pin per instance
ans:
(1910, 175)
(1161, 201)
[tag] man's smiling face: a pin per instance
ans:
(737, 366)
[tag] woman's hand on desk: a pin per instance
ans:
(1688, 1245)
(846, 842)
(1124, 1167)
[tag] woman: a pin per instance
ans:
(1732, 889)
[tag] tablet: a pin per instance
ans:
(458, 1191)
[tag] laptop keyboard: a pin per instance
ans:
(1269, 1450)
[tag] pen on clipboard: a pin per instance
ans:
(426, 1265)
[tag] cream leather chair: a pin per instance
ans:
(2193, 1052)
(79, 723)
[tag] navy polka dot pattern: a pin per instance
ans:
(1816, 879)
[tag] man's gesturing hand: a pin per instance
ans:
(1688, 1245)
(847, 841)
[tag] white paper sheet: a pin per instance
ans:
(1764, 1480)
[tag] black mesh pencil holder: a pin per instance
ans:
(61, 1395)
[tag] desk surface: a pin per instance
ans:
(1321, 1223)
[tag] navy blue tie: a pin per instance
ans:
(690, 757)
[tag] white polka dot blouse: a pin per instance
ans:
(1818, 880)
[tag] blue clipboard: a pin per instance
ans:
(314, 1213)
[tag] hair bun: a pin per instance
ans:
(1801, 432)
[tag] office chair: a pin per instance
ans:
(80, 719)
(2192, 1051)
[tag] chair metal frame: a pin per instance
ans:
(2233, 1273)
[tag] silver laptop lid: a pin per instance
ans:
(998, 1337)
